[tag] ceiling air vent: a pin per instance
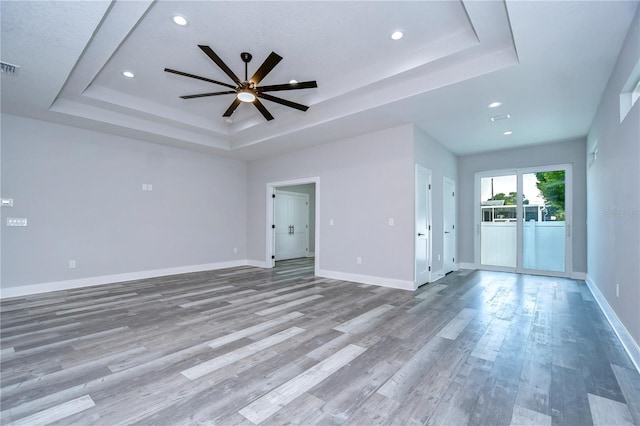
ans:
(9, 69)
(500, 117)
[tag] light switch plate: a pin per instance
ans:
(6, 202)
(16, 221)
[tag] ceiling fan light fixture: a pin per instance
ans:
(508, 132)
(495, 104)
(128, 74)
(246, 96)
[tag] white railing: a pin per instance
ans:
(542, 248)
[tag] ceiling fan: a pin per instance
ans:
(248, 90)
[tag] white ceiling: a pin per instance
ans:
(548, 62)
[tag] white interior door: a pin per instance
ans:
(422, 226)
(291, 218)
(449, 212)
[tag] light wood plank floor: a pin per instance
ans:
(252, 346)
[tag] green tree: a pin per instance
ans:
(551, 185)
(509, 200)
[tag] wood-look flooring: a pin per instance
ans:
(254, 346)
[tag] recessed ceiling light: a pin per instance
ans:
(494, 104)
(507, 133)
(293, 81)
(396, 35)
(180, 20)
(128, 74)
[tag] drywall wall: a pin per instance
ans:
(81, 192)
(613, 181)
(363, 181)
(568, 152)
(442, 163)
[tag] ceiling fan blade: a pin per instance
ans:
(197, 77)
(263, 110)
(288, 86)
(232, 107)
(219, 62)
(283, 102)
(266, 67)
(204, 95)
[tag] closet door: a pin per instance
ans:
(291, 213)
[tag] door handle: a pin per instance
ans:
(420, 235)
(447, 232)
(293, 229)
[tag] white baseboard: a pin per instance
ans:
(258, 263)
(630, 345)
(367, 279)
(26, 290)
(464, 265)
(435, 276)
(579, 276)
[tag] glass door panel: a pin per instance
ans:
(543, 231)
(498, 221)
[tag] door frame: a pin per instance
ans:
(270, 241)
(429, 225)
(279, 191)
(568, 202)
(445, 181)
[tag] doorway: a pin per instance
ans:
(449, 221)
(523, 220)
(422, 274)
(291, 218)
(292, 223)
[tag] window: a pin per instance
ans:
(630, 92)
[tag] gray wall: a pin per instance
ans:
(82, 194)
(310, 190)
(442, 163)
(614, 194)
(364, 181)
(569, 152)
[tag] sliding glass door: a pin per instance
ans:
(544, 225)
(523, 220)
(498, 234)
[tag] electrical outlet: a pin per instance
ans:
(330, 222)
(235, 249)
(438, 257)
(617, 290)
(72, 264)
(391, 221)
(358, 260)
